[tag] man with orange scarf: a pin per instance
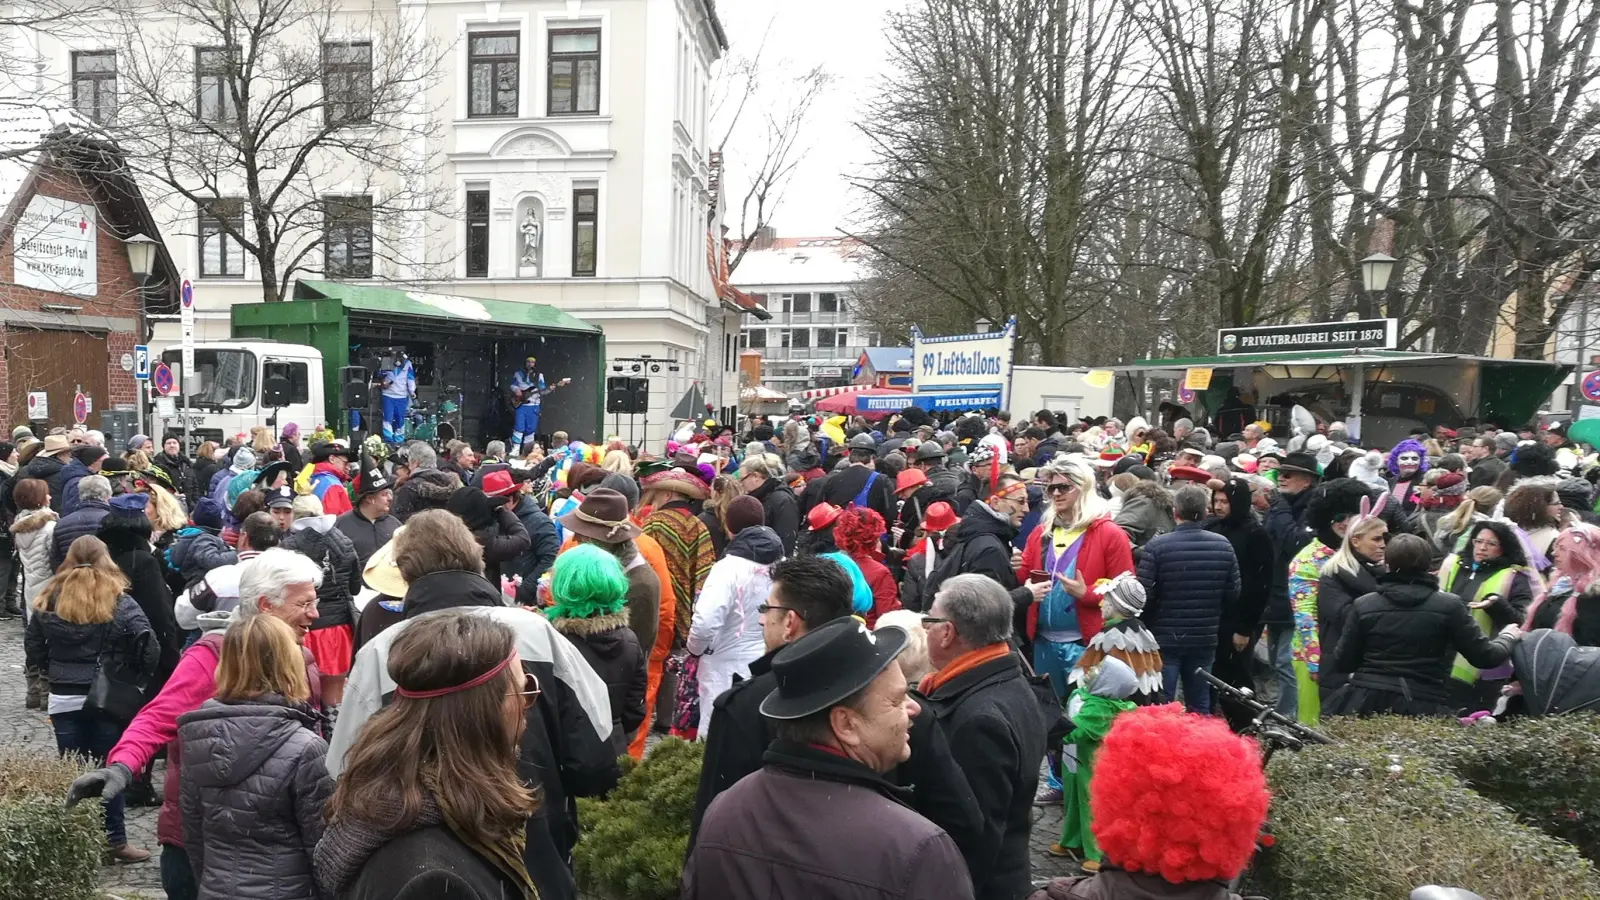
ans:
(990, 714)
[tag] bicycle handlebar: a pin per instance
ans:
(1264, 714)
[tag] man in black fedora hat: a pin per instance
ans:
(1286, 524)
(369, 526)
(819, 820)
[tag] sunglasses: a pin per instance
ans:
(928, 621)
(765, 608)
(1061, 488)
(530, 689)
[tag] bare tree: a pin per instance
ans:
(762, 112)
(297, 131)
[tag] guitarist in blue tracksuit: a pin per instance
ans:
(527, 395)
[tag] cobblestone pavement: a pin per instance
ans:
(142, 881)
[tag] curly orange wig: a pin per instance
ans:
(1177, 795)
(857, 531)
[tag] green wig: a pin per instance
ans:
(587, 582)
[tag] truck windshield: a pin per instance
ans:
(227, 377)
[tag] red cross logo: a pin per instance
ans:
(83, 225)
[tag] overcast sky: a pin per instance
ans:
(846, 37)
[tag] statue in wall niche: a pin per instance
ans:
(530, 241)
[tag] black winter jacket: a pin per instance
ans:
(84, 520)
(1586, 622)
(1336, 594)
(1286, 525)
(611, 648)
(782, 510)
(317, 539)
(366, 535)
(130, 550)
(740, 736)
(842, 487)
(251, 793)
(503, 540)
(544, 542)
(1253, 549)
(981, 544)
(425, 489)
(177, 469)
(69, 653)
(997, 736)
(1191, 580)
(1404, 638)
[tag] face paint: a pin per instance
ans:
(1408, 461)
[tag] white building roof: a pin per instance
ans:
(23, 127)
(798, 262)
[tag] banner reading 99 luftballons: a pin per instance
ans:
(963, 362)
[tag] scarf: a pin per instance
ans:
(10, 469)
(346, 845)
(966, 662)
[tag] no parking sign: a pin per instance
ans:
(1590, 386)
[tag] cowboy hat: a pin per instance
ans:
(602, 516)
(54, 444)
(382, 573)
(675, 480)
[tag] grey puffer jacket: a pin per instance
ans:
(252, 790)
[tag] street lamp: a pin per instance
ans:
(982, 326)
(141, 254)
(1375, 271)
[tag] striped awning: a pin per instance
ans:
(819, 393)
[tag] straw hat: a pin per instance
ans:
(382, 573)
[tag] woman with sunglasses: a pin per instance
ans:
(430, 804)
(1493, 578)
(1571, 604)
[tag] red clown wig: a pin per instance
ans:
(1177, 795)
(858, 530)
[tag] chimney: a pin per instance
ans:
(764, 238)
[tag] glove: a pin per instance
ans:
(107, 782)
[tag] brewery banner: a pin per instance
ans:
(1360, 334)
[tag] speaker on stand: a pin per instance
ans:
(355, 395)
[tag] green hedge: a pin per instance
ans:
(1506, 811)
(634, 840)
(45, 851)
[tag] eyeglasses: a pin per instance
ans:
(1487, 545)
(530, 689)
(928, 621)
(768, 607)
(1061, 487)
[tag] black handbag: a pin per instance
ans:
(119, 689)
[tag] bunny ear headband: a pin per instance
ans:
(1537, 561)
(1368, 511)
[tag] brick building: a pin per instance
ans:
(70, 304)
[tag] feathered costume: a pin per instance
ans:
(1124, 637)
(1092, 709)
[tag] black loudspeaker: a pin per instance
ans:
(275, 392)
(619, 394)
(641, 396)
(353, 387)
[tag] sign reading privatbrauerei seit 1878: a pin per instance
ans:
(1362, 334)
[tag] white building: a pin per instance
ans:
(809, 286)
(585, 118)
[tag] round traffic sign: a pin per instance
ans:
(1590, 385)
(1185, 396)
(161, 379)
(187, 292)
(80, 408)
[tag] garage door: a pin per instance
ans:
(59, 363)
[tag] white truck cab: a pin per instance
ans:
(246, 383)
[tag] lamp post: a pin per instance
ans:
(982, 326)
(1375, 270)
(142, 260)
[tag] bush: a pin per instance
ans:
(1402, 802)
(634, 840)
(44, 850)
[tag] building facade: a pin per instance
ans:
(809, 286)
(566, 151)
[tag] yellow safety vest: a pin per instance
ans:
(1498, 583)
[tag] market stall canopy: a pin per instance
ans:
(361, 301)
(854, 402)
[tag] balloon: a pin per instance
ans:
(1585, 431)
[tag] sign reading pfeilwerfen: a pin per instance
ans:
(1361, 334)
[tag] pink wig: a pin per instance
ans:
(1583, 569)
(1177, 795)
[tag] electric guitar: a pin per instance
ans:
(518, 393)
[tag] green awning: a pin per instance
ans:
(401, 301)
(1315, 357)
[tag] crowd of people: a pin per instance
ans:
(957, 619)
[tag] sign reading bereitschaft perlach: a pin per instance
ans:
(1362, 334)
(54, 247)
